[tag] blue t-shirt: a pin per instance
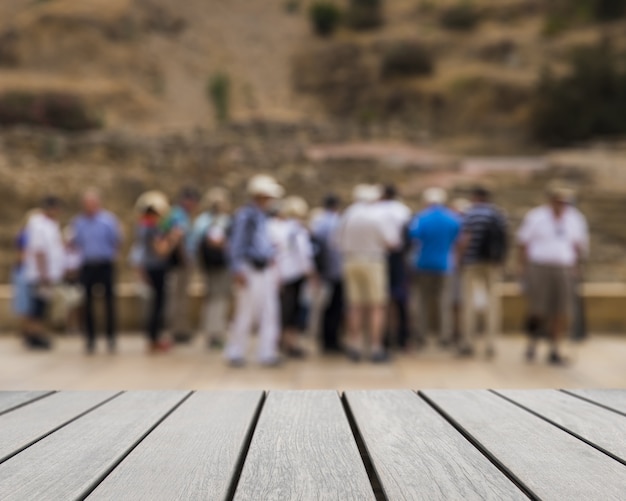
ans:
(435, 231)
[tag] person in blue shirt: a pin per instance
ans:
(97, 237)
(435, 233)
(251, 256)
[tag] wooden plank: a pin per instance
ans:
(549, 462)
(69, 463)
(611, 399)
(26, 425)
(10, 400)
(194, 454)
(600, 427)
(303, 448)
(417, 454)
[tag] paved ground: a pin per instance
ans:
(599, 363)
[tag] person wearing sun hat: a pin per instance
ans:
(435, 231)
(294, 263)
(251, 255)
(364, 239)
(553, 240)
(154, 242)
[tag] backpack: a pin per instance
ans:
(211, 256)
(320, 254)
(493, 242)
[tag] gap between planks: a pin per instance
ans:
(483, 450)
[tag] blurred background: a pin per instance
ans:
(131, 95)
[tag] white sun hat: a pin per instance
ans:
(265, 186)
(435, 196)
(294, 207)
(155, 200)
(366, 193)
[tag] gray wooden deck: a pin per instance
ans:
(309, 445)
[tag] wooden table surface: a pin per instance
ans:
(310, 445)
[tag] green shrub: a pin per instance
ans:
(218, 91)
(588, 102)
(325, 17)
(292, 6)
(53, 109)
(365, 14)
(565, 14)
(407, 59)
(461, 17)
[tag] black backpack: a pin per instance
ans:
(493, 242)
(210, 256)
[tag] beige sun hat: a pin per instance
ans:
(559, 191)
(265, 186)
(435, 196)
(216, 197)
(155, 200)
(294, 207)
(366, 193)
(461, 205)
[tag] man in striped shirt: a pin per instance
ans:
(482, 254)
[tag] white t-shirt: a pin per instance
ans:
(395, 214)
(43, 235)
(552, 241)
(364, 232)
(294, 252)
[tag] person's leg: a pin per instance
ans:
(492, 275)
(266, 297)
(88, 281)
(377, 298)
(402, 338)
(354, 286)
(421, 306)
(563, 292)
(108, 282)
(216, 306)
(158, 279)
(468, 310)
(445, 310)
(179, 310)
(245, 314)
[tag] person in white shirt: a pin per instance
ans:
(44, 264)
(294, 264)
(364, 239)
(397, 215)
(553, 240)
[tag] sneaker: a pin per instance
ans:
(380, 357)
(295, 352)
(466, 352)
(353, 355)
(272, 363)
(182, 337)
(215, 344)
(556, 359)
(236, 363)
(490, 353)
(37, 342)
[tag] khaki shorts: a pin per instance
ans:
(366, 281)
(550, 290)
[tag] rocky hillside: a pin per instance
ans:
(145, 64)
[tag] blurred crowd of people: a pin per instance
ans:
(364, 280)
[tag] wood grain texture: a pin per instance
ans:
(551, 463)
(193, 454)
(23, 426)
(417, 454)
(612, 399)
(303, 448)
(10, 400)
(600, 427)
(69, 463)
